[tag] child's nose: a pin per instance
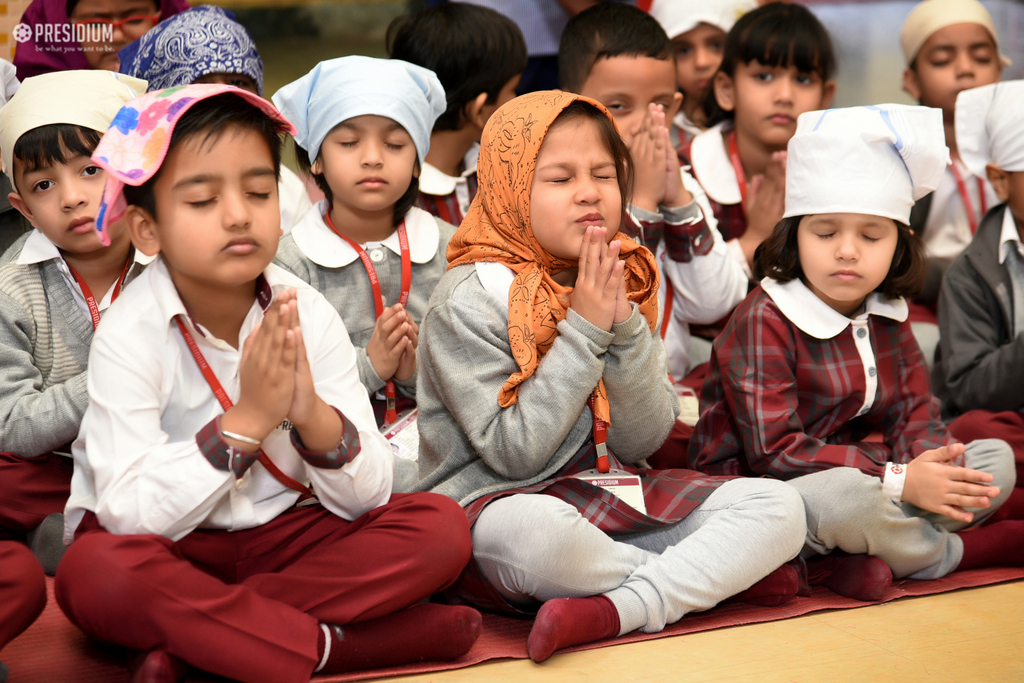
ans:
(847, 249)
(703, 58)
(587, 192)
(373, 154)
(73, 196)
(236, 210)
(784, 89)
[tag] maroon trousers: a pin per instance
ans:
(246, 604)
(22, 590)
(985, 424)
(31, 488)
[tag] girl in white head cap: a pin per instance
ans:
(817, 379)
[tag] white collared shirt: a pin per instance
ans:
(322, 246)
(947, 232)
(1009, 237)
(38, 248)
(137, 463)
(815, 317)
(434, 181)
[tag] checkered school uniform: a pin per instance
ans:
(795, 387)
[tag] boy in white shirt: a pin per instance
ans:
(223, 391)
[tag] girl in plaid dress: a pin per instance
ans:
(547, 309)
(817, 379)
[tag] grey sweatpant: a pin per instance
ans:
(536, 547)
(846, 509)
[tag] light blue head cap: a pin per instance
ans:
(339, 89)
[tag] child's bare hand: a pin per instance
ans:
(599, 279)
(407, 362)
(389, 341)
(304, 399)
(676, 195)
(764, 205)
(648, 154)
(266, 372)
(622, 308)
(933, 483)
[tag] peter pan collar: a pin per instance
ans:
(323, 247)
(712, 166)
(38, 248)
(437, 183)
(813, 316)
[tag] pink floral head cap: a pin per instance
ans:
(133, 148)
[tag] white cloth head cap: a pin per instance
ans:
(90, 99)
(988, 126)
(8, 81)
(340, 89)
(679, 16)
(931, 16)
(869, 160)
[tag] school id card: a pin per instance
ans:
(404, 436)
(689, 405)
(625, 486)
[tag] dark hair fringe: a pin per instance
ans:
(472, 50)
(581, 109)
(778, 257)
(211, 118)
(402, 206)
(609, 29)
(53, 145)
(776, 34)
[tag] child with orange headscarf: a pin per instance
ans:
(547, 309)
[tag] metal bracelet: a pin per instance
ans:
(248, 440)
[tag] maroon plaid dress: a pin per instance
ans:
(670, 495)
(782, 403)
(446, 207)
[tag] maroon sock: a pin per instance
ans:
(776, 589)
(157, 666)
(861, 577)
(998, 545)
(564, 622)
(1013, 508)
(421, 633)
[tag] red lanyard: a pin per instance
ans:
(600, 439)
(972, 218)
(90, 300)
(305, 492)
(737, 167)
(390, 415)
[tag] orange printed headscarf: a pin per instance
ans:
(497, 228)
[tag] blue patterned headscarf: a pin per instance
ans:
(200, 41)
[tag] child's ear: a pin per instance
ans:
(1000, 180)
(912, 84)
(673, 109)
(142, 229)
(317, 167)
(828, 91)
(474, 111)
(18, 203)
(725, 91)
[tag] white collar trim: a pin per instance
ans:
(321, 246)
(813, 316)
(713, 168)
(497, 279)
(38, 248)
(1008, 235)
(437, 183)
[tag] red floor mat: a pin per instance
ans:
(54, 650)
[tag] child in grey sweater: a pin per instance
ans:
(548, 309)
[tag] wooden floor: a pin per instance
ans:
(968, 636)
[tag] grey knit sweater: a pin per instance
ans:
(348, 290)
(44, 350)
(470, 446)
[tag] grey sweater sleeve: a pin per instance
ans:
(35, 419)
(465, 352)
(643, 403)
